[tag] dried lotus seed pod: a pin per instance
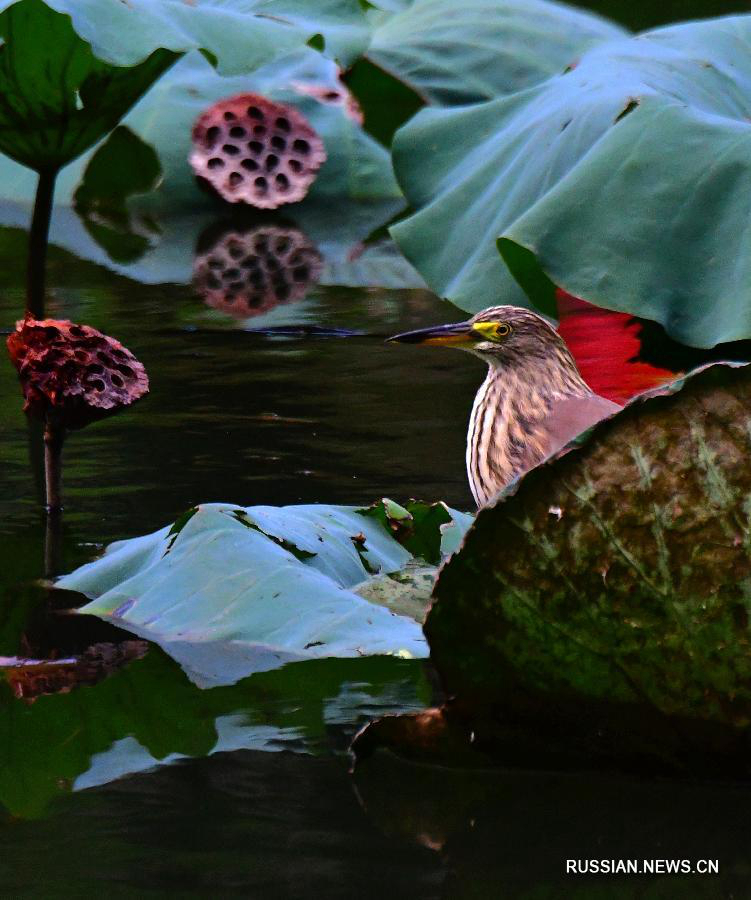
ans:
(248, 273)
(73, 374)
(255, 151)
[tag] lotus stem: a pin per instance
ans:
(36, 269)
(53, 534)
(54, 437)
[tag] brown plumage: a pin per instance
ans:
(533, 400)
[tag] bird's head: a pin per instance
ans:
(501, 335)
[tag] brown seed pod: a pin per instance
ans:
(248, 273)
(72, 374)
(252, 150)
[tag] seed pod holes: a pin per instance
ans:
(73, 374)
(248, 273)
(253, 150)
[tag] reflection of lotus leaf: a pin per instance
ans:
(248, 273)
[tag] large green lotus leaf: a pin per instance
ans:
(228, 591)
(452, 53)
(240, 35)
(149, 714)
(616, 578)
(627, 181)
(56, 97)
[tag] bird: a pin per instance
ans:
(533, 401)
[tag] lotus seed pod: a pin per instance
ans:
(73, 374)
(255, 151)
(248, 273)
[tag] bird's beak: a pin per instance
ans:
(454, 335)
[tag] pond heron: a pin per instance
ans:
(532, 402)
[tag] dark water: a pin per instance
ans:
(142, 785)
(145, 785)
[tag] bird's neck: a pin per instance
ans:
(505, 429)
(539, 379)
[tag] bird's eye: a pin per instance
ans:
(492, 331)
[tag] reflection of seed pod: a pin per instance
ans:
(256, 151)
(246, 274)
(73, 374)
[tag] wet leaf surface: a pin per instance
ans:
(452, 55)
(238, 36)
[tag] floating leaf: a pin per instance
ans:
(419, 527)
(239, 590)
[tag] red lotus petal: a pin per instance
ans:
(606, 345)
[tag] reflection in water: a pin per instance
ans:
(509, 833)
(246, 273)
(32, 678)
(259, 824)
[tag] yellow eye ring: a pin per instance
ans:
(503, 330)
